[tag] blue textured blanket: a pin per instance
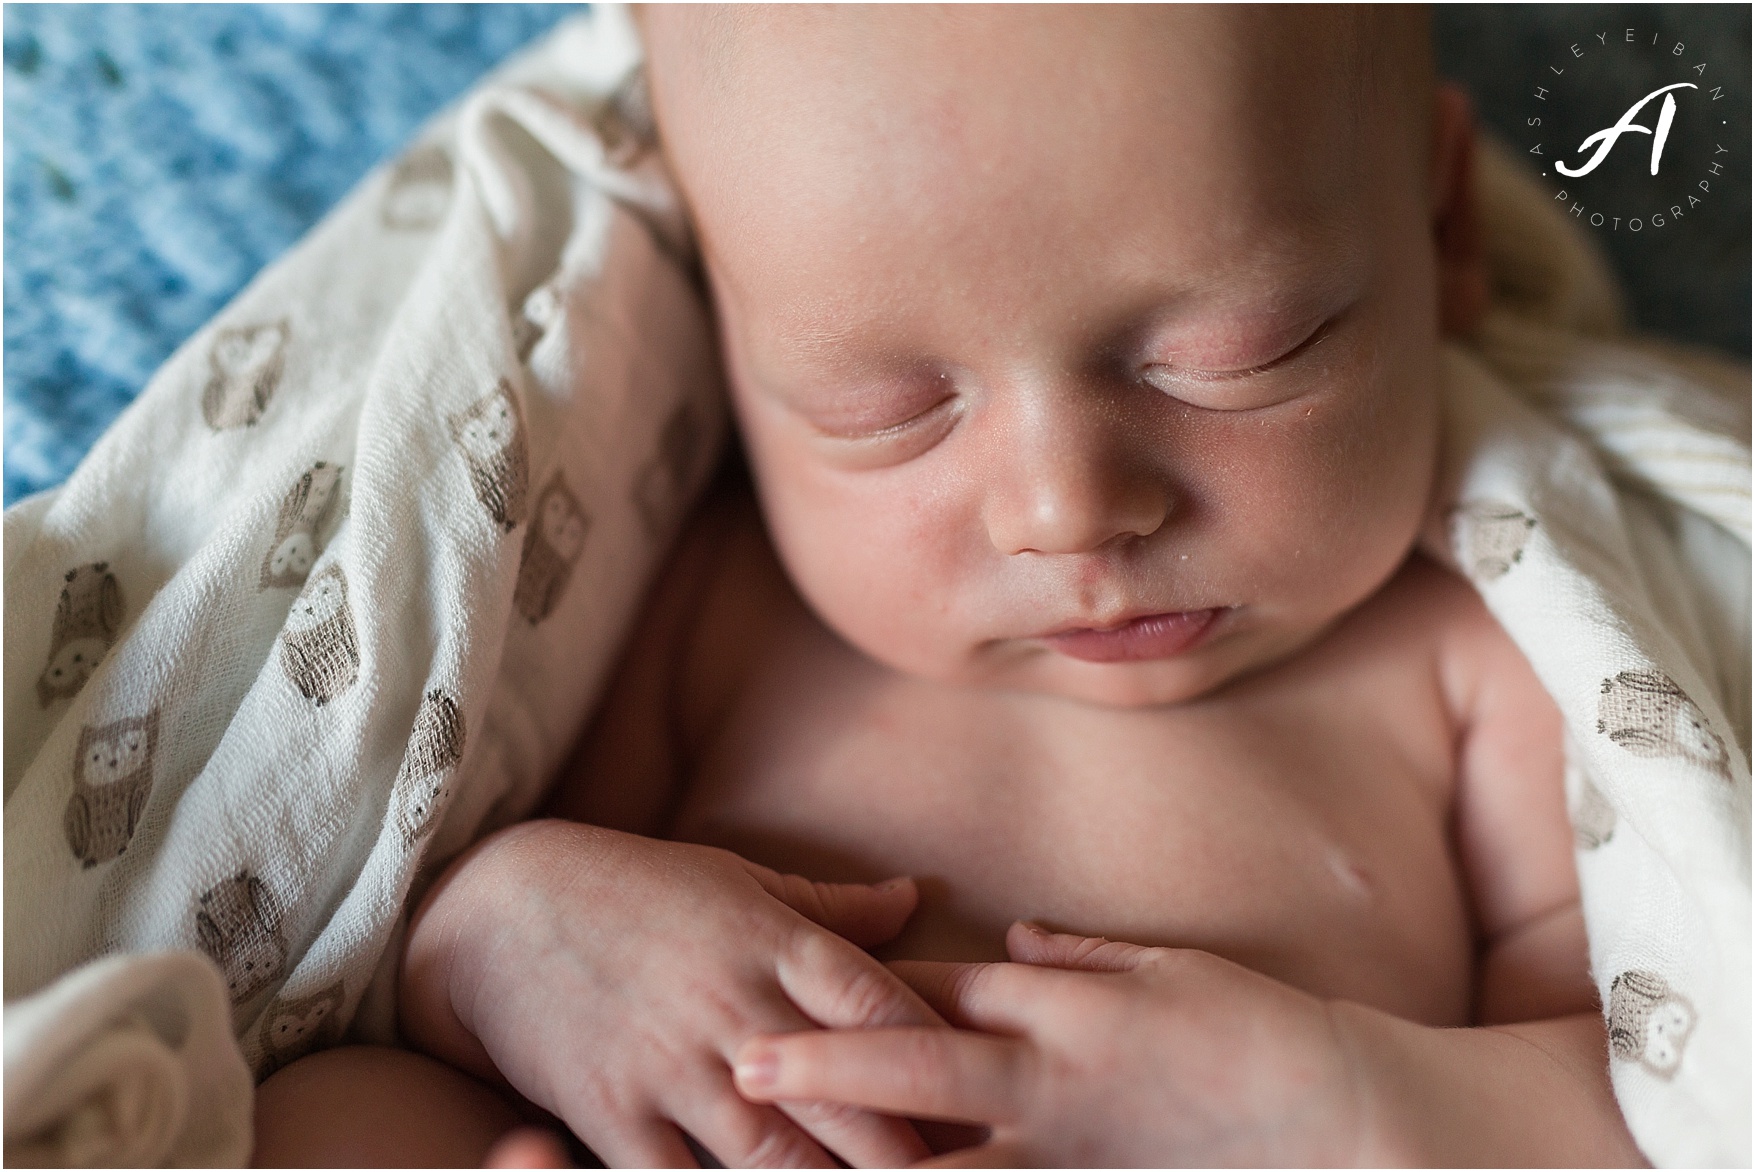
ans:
(158, 156)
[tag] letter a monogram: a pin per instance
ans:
(1606, 138)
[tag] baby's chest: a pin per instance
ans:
(1294, 835)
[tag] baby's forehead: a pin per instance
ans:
(869, 172)
(747, 86)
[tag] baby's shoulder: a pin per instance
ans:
(1485, 678)
(727, 597)
(720, 563)
(1427, 618)
(678, 662)
(1432, 603)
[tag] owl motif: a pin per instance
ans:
(88, 618)
(659, 491)
(419, 192)
(434, 749)
(1649, 1022)
(302, 513)
(238, 925)
(551, 546)
(112, 778)
(294, 1026)
(246, 365)
(318, 647)
(1490, 537)
(1593, 818)
(490, 433)
(1648, 715)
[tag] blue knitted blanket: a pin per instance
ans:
(157, 157)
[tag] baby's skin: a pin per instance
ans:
(1070, 652)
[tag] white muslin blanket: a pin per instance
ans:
(335, 595)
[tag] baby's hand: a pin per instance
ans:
(610, 978)
(1147, 1057)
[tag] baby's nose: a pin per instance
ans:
(1060, 523)
(1074, 499)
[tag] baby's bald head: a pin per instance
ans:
(754, 98)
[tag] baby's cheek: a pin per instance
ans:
(1334, 497)
(883, 559)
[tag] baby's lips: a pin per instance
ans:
(1153, 636)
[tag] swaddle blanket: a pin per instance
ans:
(335, 595)
(1597, 495)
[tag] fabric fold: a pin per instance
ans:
(128, 1062)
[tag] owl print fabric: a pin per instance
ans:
(1619, 599)
(298, 530)
(246, 363)
(112, 776)
(335, 594)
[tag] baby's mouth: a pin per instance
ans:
(1153, 636)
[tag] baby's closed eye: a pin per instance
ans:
(1239, 376)
(881, 423)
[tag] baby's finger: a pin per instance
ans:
(928, 1073)
(1027, 943)
(859, 1137)
(939, 983)
(742, 1134)
(994, 997)
(865, 913)
(840, 986)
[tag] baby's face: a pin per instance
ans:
(1090, 352)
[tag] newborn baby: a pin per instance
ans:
(1086, 366)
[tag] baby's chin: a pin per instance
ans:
(1149, 684)
(1113, 685)
(1033, 667)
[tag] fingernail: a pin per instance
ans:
(895, 884)
(759, 1069)
(1033, 928)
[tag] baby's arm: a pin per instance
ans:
(683, 665)
(1530, 1084)
(1513, 836)
(609, 977)
(632, 759)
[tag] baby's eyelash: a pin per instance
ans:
(1316, 338)
(893, 444)
(886, 432)
(1243, 389)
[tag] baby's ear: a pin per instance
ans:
(1456, 226)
